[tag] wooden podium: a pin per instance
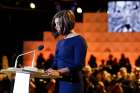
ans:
(22, 77)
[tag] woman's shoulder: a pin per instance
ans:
(80, 38)
(73, 40)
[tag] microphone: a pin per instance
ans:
(40, 47)
(29, 52)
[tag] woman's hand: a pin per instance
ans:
(52, 72)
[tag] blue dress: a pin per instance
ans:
(71, 53)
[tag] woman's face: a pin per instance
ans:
(57, 24)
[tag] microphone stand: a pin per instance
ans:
(16, 61)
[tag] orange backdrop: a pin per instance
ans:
(101, 43)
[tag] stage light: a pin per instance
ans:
(79, 10)
(32, 5)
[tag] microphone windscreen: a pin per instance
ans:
(40, 47)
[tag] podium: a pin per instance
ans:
(22, 77)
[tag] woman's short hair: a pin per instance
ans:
(67, 22)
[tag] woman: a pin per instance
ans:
(70, 53)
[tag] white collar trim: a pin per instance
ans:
(70, 35)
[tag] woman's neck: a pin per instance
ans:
(70, 35)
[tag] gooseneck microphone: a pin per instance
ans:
(32, 51)
(40, 47)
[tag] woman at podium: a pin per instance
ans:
(69, 55)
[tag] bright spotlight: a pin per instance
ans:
(32, 5)
(79, 10)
